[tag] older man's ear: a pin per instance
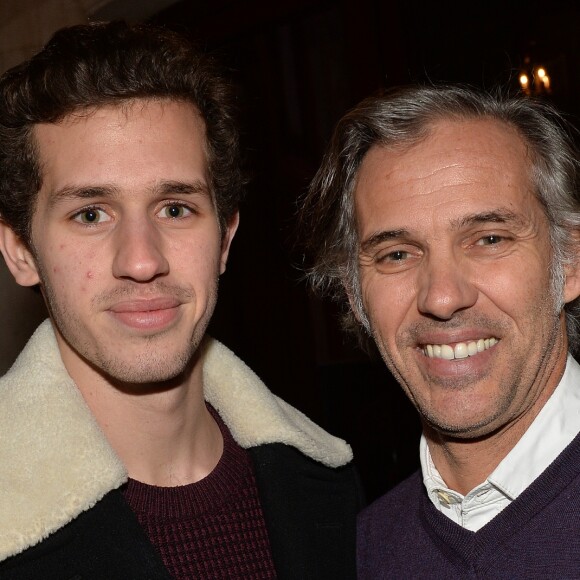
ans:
(572, 272)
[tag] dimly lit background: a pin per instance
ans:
(299, 66)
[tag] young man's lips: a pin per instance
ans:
(145, 305)
(149, 314)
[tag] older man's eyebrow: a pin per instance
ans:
(498, 216)
(381, 237)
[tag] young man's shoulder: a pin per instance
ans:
(255, 416)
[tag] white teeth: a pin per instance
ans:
(461, 350)
(447, 352)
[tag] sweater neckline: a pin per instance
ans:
(468, 546)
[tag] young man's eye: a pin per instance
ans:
(91, 215)
(175, 211)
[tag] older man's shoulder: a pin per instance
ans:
(397, 502)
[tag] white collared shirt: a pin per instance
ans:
(553, 429)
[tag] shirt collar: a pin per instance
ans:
(557, 423)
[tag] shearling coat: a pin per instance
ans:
(62, 514)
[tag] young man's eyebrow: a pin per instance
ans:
(71, 192)
(380, 237)
(181, 188)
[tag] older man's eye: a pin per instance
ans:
(490, 240)
(396, 256)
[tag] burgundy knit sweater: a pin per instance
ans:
(403, 535)
(211, 529)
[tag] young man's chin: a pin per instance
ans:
(146, 369)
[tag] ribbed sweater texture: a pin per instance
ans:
(210, 529)
(403, 535)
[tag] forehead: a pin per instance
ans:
(136, 139)
(462, 167)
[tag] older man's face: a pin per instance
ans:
(455, 276)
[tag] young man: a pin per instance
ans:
(131, 444)
(450, 221)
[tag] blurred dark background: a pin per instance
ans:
(300, 65)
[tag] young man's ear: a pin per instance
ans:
(18, 257)
(228, 236)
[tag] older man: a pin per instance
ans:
(449, 219)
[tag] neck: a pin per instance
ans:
(163, 434)
(464, 464)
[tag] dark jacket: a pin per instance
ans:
(62, 514)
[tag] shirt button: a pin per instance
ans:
(443, 497)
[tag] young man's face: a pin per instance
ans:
(455, 277)
(125, 238)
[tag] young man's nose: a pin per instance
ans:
(139, 254)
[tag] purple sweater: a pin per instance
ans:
(403, 535)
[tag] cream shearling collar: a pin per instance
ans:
(55, 462)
